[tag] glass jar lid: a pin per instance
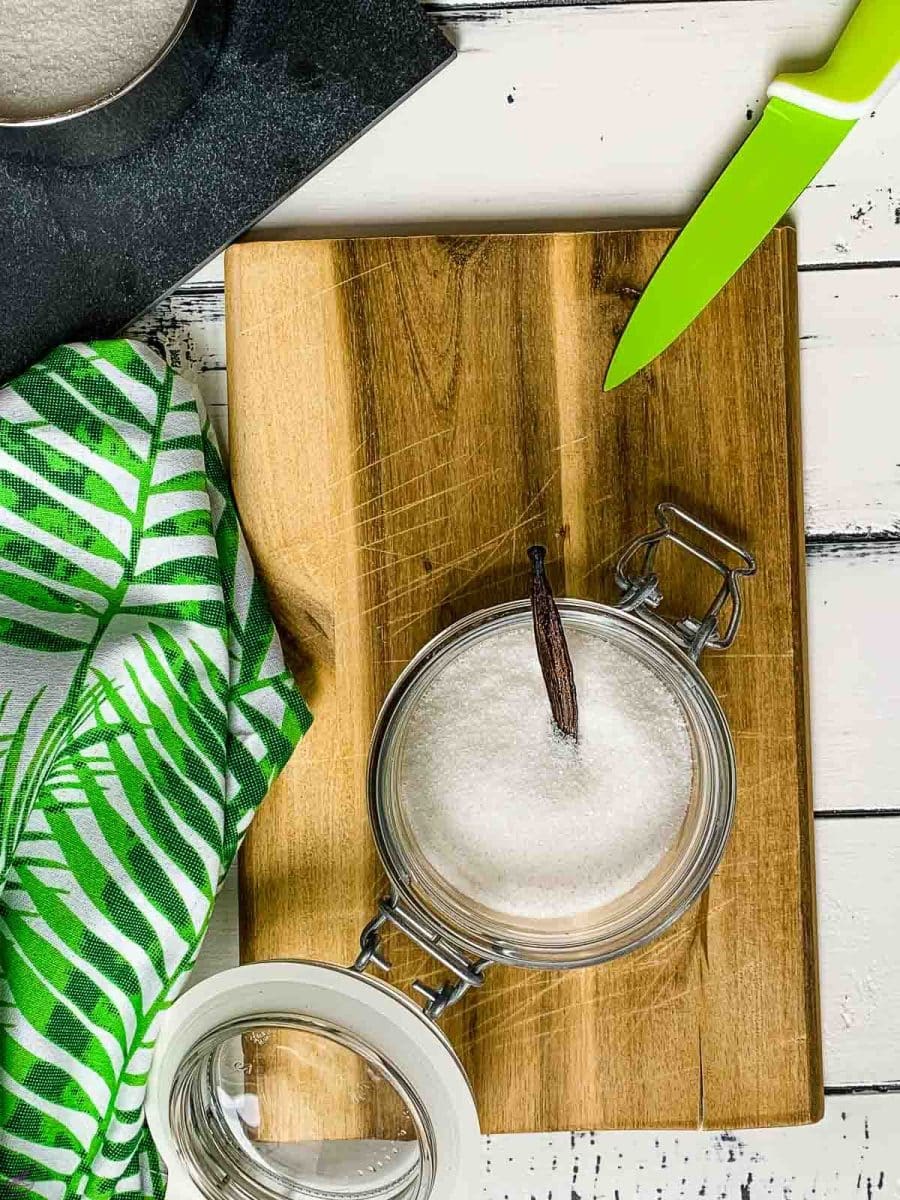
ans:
(300, 1080)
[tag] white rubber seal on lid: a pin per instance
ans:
(365, 1008)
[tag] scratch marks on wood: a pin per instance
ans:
(340, 531)
(850, 333)
(291, 309)
(384, 458)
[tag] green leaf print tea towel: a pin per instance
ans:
(144, 712)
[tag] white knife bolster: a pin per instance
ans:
(839, 110)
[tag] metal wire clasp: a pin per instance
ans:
(641, 591)
(467, 974)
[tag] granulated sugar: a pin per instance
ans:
(62, 54)
(517, 817)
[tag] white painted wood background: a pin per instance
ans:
(585, 115)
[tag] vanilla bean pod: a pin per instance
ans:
(552, 648)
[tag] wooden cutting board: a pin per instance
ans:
(407, 416)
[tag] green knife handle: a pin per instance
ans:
(863, 66)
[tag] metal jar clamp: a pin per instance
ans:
(642, 593)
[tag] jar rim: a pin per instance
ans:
(206, 1139)
(492, 940)
(360, 1012)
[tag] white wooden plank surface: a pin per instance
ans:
(586, 114)
(855, 678)
(854, 1152)
(850, 370)
(858, 865)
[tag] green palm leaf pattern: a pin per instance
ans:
(144, 712)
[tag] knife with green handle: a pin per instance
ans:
(807, 117)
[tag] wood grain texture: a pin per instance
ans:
(406, 416)
(849, 347)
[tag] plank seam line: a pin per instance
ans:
(852, 538)
(890, 1088)
(874, 264)
(822, 544)
(854, 814)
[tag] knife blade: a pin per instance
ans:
(806, 118)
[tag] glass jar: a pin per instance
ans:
(306, 1080)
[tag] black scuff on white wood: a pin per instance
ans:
(852, 1153)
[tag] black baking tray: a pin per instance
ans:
(103, 214)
